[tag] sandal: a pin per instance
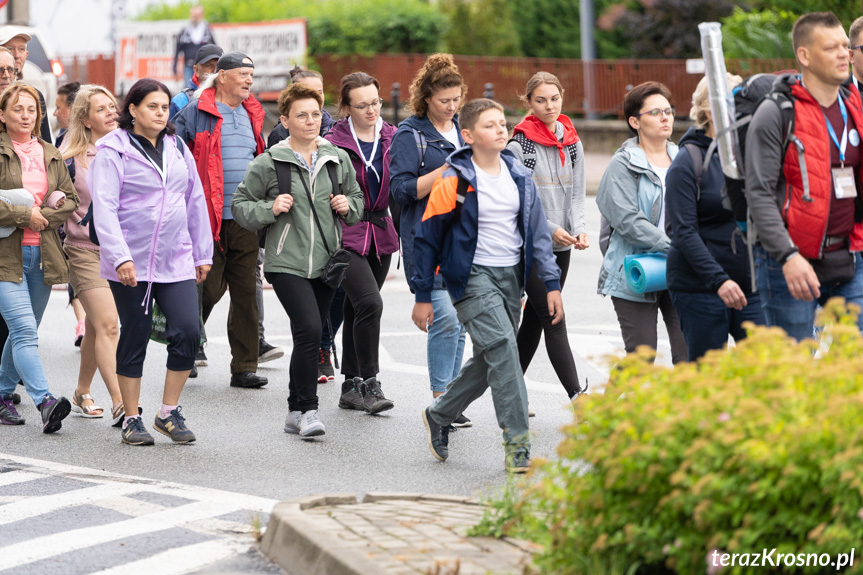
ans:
(87, 411)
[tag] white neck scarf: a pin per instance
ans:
(368, 162)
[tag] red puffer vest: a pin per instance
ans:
(806, 214)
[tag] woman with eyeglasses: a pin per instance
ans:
(303, 231)
(631, 199)
(708, 264)
(366, 138)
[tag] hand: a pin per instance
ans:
(423, 316)
(339, 204)
(731, 295)
(282, 204)
(581, 242)
(37, 220)
(562, 238)
(801, 279)
(201, 273)
(127, 274)
(555, 306)
(60, 203)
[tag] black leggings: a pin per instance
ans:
(179, 303)
(536, 319)
(307, 303)
(363, 310)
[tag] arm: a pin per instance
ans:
(198, 217)
(431, 231)
(543, 256)
(250, 206)
(764, 159)
(105, 181)
(177, 49)
(682, 215)
(617, 199)
(57, 217)
(185, 124)
(579, 192)
(14, 215)
(351, 190)
(404, 167)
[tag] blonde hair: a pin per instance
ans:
(701, 100)
(79, 137)
(12, 94)
(535, 82)
(438, 73)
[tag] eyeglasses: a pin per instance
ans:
(304, 117)
(860, 47)
(363, 107)
(8, 70)
(656, 112)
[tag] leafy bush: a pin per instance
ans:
(473, 31)
(756, 447)
(758, 34)
(334, 26)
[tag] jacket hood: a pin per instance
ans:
(695, 136)
(635, 156)
(283, 152)
(341, 136)
(460, 161)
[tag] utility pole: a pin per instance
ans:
(588, 55)
(18, 12)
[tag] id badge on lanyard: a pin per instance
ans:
(844, 185)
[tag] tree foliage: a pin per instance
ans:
(758, 34)
(334, 26)
(480, 27)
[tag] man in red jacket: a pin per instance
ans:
(805, 196)
(223, 129)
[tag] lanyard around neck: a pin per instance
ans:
(368, 163)
(844, 144)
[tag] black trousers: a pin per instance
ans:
(307, 303)
(638, 324)
(362, 314)
(179, 302)
(537, 320)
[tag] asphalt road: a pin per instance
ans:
(241, 446)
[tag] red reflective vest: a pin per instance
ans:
(806, 214)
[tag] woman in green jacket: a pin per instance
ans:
(295, 253)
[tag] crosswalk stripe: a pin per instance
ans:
(51, 545)
(180, 560)
(20, 476)
(34, 506)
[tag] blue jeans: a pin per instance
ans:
(707, 322)
(445, 346)
(22, 305)
(797, 317)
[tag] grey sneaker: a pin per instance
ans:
(54, 411)
(311, 424)
(292, 423)
(136, 434)
(353, 397)
(374, 401)
(437, 436)
(8, 414)
(174, 426)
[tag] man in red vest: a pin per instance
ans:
(804, 189)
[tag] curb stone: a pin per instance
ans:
(314, 543)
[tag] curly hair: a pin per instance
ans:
(295, 93)
(438, 73)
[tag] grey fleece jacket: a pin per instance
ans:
(561, 188)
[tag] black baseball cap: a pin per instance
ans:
(232, 60)
(208, 52)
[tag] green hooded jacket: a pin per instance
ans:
(293, 242)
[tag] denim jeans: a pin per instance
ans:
(490, 310)
(707, 322)
(22, 305)
(797, 317)
(445, 346)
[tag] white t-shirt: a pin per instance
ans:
(661, 172)
(498, 241)
(452, 136)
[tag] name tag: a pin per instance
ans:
(843, 183)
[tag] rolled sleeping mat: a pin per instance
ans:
(645, 273)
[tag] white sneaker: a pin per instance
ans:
(292, 423)
(311, 424)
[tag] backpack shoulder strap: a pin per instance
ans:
(697, 166)
(283, 177)
(334, 178)
(528, 151)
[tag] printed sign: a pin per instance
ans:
(146, 50)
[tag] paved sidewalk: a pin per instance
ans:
(387, 534)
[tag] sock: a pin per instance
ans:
(127, 420)
(166, 410)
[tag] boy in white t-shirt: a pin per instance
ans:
(485, 227)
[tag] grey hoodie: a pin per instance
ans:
(561, 188)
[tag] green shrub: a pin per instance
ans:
(755, 447)
(758, 34)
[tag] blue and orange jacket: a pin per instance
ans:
(200, 126)
(442, 241)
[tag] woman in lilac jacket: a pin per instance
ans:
(151, 219)
(372, 241)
